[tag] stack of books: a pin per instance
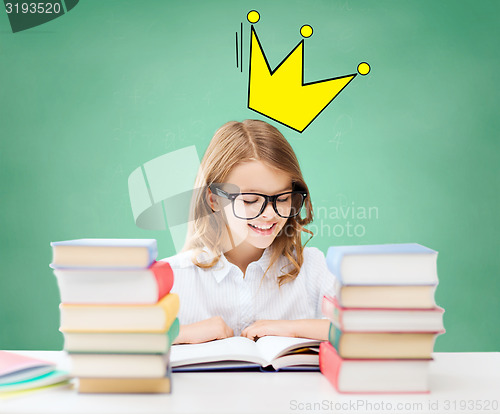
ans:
(384, 318)
(118, 316)
(21, 374)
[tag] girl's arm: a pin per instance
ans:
(203, 331)
(303, 328)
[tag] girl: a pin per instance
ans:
(243, 270)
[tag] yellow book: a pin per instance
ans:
(417, 297)
(125, 385)
(120, 318)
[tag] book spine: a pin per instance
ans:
(153, 253)
(173, 332)
(164, 277)
(334, 335)
(329, 363)
(338, 314)
(333, 261)
(124, 385)
(170, 307)
(331, 309)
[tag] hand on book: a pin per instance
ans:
(268, 327)
(204, 331)
(302, 328)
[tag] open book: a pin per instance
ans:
(269, 352)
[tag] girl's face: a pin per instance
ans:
(256, 177)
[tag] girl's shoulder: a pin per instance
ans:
(180, 260)
(314, 262)
(186, 260)
(312, 254)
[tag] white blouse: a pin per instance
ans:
(223, 291)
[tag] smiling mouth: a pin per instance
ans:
(263, 229)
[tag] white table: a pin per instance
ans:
(460, 383)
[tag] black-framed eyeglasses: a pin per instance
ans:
(248, 206)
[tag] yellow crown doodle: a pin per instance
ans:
(281, 94)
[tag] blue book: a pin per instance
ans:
(104, 253)
(383, 264)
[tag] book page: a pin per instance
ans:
(294, 360)
(272, 347)
(236, 348)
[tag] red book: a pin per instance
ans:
(383, 320)
(375, 376)
(115, 286)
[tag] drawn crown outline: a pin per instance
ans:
(282, 95)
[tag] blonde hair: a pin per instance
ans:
(234, 143)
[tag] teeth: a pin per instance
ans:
(261, 227)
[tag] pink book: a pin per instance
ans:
(15, 367)
(383, 320)
(373, 376)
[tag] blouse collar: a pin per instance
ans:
(223, 267)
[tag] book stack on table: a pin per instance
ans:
(22, 374)
(118, 316)
(384, 318)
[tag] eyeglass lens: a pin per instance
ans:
(249, 206)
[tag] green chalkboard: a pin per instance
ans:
(407, 153)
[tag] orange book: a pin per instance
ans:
(125, 385)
